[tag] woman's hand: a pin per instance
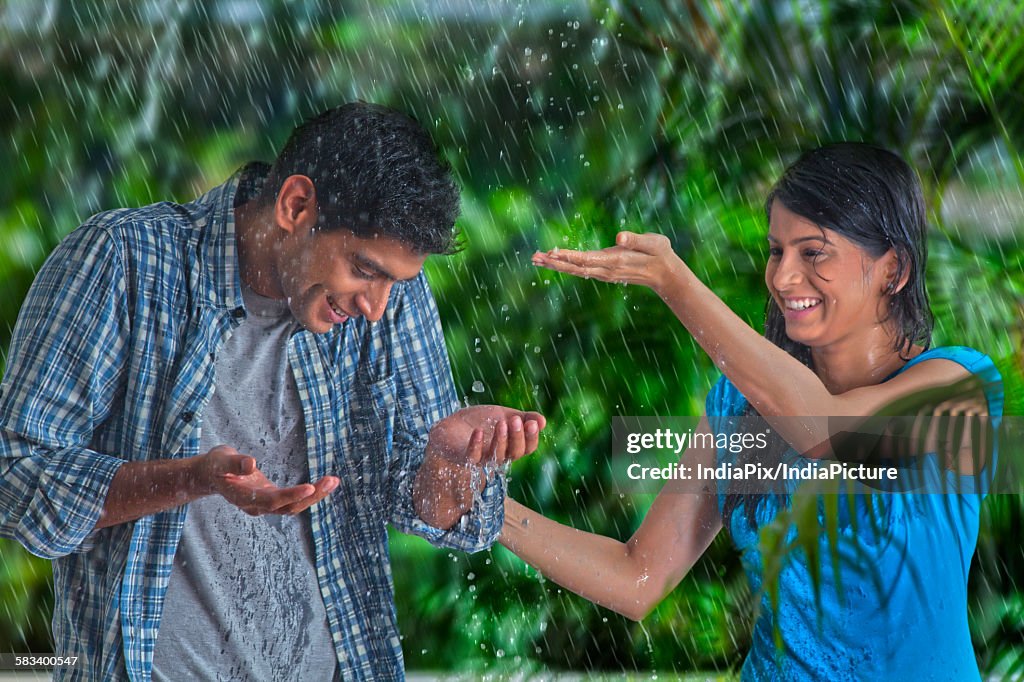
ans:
(646, 259)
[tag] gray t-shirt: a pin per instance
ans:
(243, 601)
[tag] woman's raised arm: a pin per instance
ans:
(775, 383)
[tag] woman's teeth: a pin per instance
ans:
(801, 303)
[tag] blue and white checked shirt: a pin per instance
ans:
(112, 360)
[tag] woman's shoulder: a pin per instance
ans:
(976, 363)
(725, 400)
(971, 359)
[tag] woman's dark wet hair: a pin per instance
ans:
(872, 197)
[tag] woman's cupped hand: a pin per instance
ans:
(645, 259)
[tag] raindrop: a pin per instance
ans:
(478, 387)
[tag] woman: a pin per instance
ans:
(847, 333)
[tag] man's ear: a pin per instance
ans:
(296, 209)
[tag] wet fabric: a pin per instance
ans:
(894, 604)
(243, 603)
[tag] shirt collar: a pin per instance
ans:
(217, 249)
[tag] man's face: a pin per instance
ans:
(329, 276)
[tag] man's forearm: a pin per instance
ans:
(143, 488)
(442, 492)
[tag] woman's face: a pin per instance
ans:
(828, 289)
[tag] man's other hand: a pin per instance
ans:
(236, 478)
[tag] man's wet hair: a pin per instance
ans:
(376, 172)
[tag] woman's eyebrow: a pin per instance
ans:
(799, 240)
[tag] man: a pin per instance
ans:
(270, 348)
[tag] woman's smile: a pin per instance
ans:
(800, 308)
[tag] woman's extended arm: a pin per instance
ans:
(627, 577)
(774, 382)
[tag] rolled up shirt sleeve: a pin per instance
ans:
(425, 395)
(50, 500)
(64, 372)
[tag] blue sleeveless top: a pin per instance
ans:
(894, 606)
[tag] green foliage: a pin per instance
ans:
(26, 600)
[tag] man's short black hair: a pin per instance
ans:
(376, 172)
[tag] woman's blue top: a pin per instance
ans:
(894, 607)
